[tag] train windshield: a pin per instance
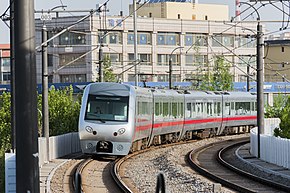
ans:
(107, 108)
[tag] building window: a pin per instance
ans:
(5, 61)
(65, 59)
(178, 16)
(244, 61)
(131, 77)
(150, 14)
(242, 78)
(71, 38)
(114, 58)
(114, 37)
(223, 40)
(163, 59)
(167, 38)
(145, 77)
(162, 78)
(144, 58)
(195, 39)
(247, 42)
(73, 78)
(50, 60)
(143, 38)
(6, 76)
(50, 78)
(176, 78)
(196, 60)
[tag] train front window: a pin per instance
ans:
(107, 108)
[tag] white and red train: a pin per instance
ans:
(116, 118)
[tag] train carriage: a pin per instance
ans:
(168, 115)
(239, 109)
(203, 111)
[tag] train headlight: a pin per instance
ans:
(121, 131)
(89, 129)
(89, 146)
(120, 147)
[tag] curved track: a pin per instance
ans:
(209, 161)
(93, 175)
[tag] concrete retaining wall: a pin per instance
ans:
(59, 146)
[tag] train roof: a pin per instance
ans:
(109, 88)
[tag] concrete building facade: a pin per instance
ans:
(184, 10)
(193, 45)
(5, 74)
(277, 60)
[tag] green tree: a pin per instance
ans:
(109, 76)
(218, 79)
(63, 111)
(284, 130)
(275, 111)
(5, 130)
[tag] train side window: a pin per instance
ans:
(227, 109)
(139, 108)
(157, 109)
(188, 110)
(193, 112)
(238, 108)
(209, 109)
(233, 110)
(174, 109)
(165, 109)
(247, 108)
(198, 109)
(181, 109)
(219, 109)
(170, 108)
(215, 108)
(203, 109)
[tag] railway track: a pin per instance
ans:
(93, 175)
(215, 161)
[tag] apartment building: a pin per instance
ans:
(277, 59)
(193, 46)
(5, 64)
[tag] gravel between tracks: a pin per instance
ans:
(179, 177)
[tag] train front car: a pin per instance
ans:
(106, 122)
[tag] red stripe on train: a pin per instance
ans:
(190, 122)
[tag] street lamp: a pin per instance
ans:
(170, 65)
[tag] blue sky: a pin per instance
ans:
(115, 6)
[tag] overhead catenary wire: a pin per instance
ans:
(79, 21)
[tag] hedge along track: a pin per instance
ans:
(207, 161)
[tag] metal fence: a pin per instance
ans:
(273, 149)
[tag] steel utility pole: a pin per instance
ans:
(135, 43)
(260, 85)
(170, 66)
(27, 169)
(45, 114)
(101, 72)
(248, 77)
(12, 81)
